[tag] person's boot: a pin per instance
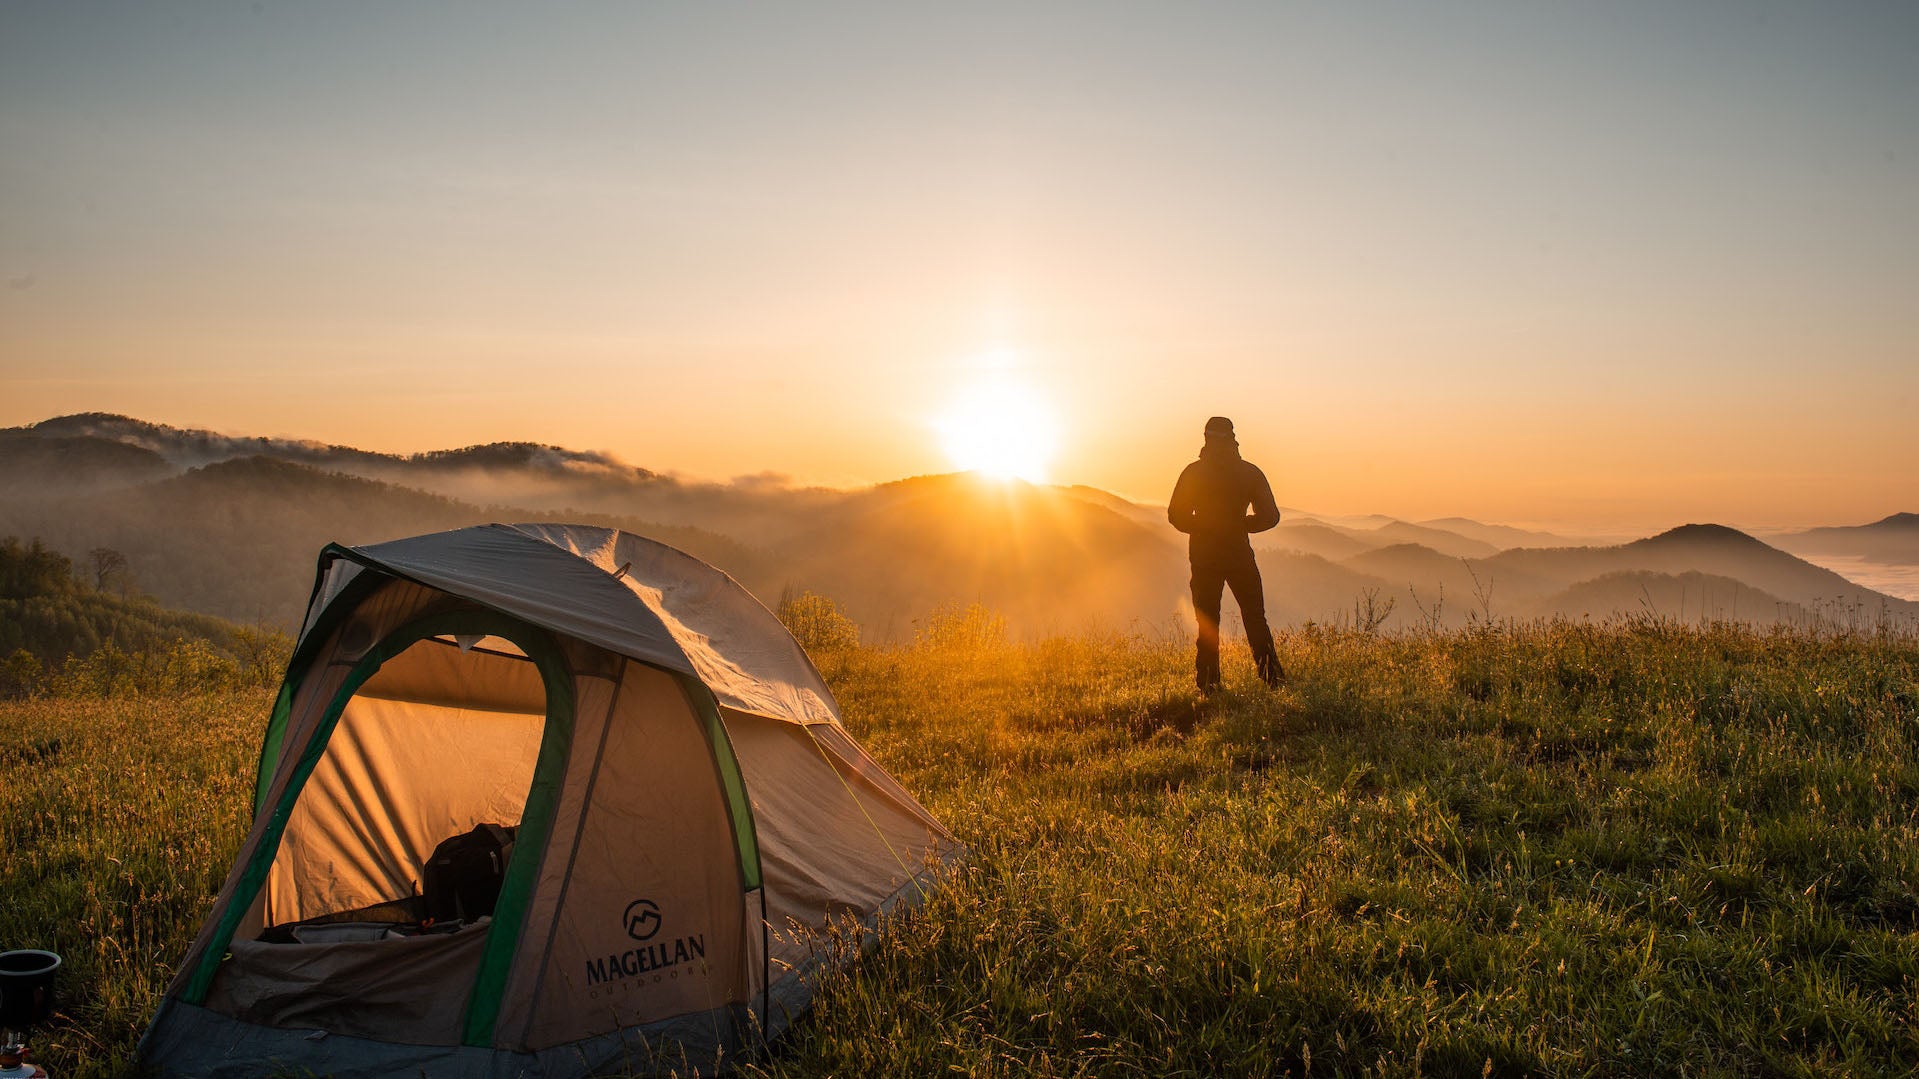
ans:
(1207, 674)
(1270, 672)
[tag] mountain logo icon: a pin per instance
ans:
(642, 919)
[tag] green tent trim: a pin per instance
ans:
(535, 824)
(739, 808)
(342, 606)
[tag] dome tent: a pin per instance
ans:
(689, 815)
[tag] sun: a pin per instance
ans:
(1000, 427)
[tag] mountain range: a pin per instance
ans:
(230, 526)
(1893, 540)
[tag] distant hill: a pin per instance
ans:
(547, 481)
(1731, 553)
(1308, 536)
(1148, 516)
(1700, 570)
(31, 464)
(185, 448)
(1364, 522)
(1688, 596)
(230, 526)
(1413, 562)
(1312, 535)
(1438, 539)
(1303, 588)
(50, 613)
(1499, 537)
(238, 538)
(1894, 540)
(1714, 550)
(1047, 559)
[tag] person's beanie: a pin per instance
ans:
(1219, 427)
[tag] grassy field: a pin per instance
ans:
(1553, 850)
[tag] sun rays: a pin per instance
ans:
(1000, 425)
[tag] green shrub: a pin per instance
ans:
(961, 629)
(817, 622)
(186, 665)
(21, 675)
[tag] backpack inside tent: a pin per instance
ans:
(538, 800)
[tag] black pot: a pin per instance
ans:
(26, 987)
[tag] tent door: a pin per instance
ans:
(451, 716)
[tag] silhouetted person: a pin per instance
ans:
(1210, 505)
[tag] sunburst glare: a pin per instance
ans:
(1001, 427)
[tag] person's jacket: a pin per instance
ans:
(1210, 504)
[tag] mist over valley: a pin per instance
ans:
(228, 526)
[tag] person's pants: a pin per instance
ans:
(1209, 583)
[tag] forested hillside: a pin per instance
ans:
(238, 539)
(58, 620)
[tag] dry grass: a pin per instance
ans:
(1556, 850)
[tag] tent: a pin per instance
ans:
(692, 824)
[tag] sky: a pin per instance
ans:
(1608, 266)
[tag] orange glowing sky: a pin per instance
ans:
(1615, 267)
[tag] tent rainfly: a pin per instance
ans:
(686, 816)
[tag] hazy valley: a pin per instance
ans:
(229, 526)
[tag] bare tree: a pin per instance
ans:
(1368, 613)
(1482, 592)
(109, 564)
